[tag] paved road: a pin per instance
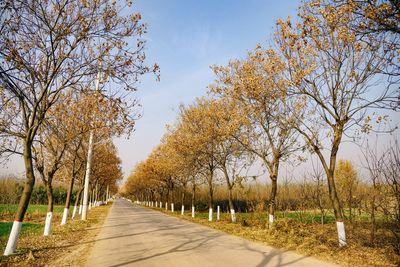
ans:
(137, 236)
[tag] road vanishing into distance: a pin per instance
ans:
(137, 236)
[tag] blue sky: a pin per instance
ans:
(185, 38)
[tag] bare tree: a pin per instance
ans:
(49, 47)
(333, 72)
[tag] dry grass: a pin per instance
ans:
(67, 246)
(311, 239)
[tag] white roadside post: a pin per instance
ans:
(160, 204)
(218, 213)
(183, 209)
(166, 205)
(172, 207)
(210, 214)
(192, 211)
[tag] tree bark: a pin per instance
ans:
(211, 190)
(330, 174)
(193, 194)
(69, 193)
(230, 199)
(29, 183)
(274, 189)
(183, 198)
(50, 198)
(24, 200)
(78, 196)
(87, 176)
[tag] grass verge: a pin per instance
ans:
(306, 238)
(67, 246)
(36, 213)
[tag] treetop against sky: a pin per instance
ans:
(185, 38)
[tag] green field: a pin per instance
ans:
(27, 228)
(7, 212)
(12, 208)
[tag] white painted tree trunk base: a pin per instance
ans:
(84, 212)
(47, 224)
(80, 209)
(13, 238)
(218, 213)
(271, 219)
(64, 217)
(192, 211)
(341, 234)
(183, 210)
(210, 214)
(172, 207)
(160, 205)
(233, 215)
(74, 212)
(166, 205)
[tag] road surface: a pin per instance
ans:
(137, 236)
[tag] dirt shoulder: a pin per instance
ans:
(69, 245)
(315, 240)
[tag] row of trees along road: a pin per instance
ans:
(315, 83)
(51, 53)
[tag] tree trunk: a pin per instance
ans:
(274, 189)
(230, 197)
(330, 173)
(77, 200)
(183, 202)
(87, 176)
(29, 183)
(50, 206)
(24, 200)
(193, 198)
(67, 201)
(172, 198)
(211, 197)
(231, 205)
